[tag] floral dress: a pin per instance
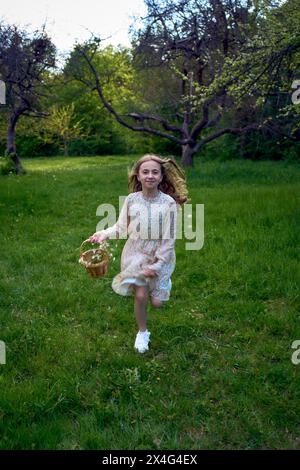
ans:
(151, 226)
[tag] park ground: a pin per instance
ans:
(219, 373)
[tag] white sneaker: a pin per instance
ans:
(142, 341)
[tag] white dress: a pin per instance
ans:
(151, 226)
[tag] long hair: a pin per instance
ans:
(173, 182)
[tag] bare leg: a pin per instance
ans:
(140, 306)
(156, 303)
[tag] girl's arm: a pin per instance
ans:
(119, 228)
(165, 250)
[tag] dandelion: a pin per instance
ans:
(96, 258)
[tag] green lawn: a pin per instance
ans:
(219, 373)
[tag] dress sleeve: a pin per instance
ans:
(165, 249)
(120, 228)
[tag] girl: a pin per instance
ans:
(157, 187)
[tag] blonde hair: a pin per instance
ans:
(173, 181)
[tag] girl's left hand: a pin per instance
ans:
(149, 272)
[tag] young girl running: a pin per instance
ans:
(157, 187)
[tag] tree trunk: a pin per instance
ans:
(188, 152)
(11, 146)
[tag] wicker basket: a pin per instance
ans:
(94, 269)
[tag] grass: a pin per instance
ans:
(219, 373)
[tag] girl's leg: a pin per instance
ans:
(140, 306)
(156, 302)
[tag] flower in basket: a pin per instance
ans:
(103, 249)
(96, 258)
(100, 253)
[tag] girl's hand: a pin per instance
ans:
(98, 237)
(149, 272)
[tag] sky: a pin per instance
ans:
(67, 20)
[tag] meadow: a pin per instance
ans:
(218, 374)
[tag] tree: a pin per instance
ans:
(215, 53)
(114, 64)
(280, 96)
(61, 125)
(24, 62)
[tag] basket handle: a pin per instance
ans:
(86, 241)
(81, 246)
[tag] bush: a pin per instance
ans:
(224, 148)
(89, 146)
(253, 146)
(292, 152)
(7, 166)
(33, 146)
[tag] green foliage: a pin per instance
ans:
(254, 146)
(292, 152)
(7, 166)
(61, 127)
(272, 45)
(167, 82)
(225, 148)
(33, 145)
